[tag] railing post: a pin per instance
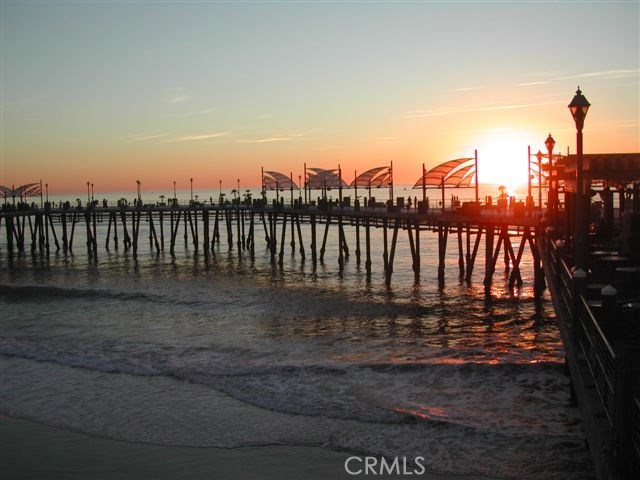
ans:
(579, 288)
(609, 296)
(627, 372)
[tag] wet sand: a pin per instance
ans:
(30, 450)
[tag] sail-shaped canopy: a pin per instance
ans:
(465, 182)
(320, 178)
(455, 178)
(435, 176)
(27, 190)
(382, 180)
(273, 180)
(374, 177)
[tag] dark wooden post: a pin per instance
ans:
(367, 233)
(282, 238)
(324, 239)
(357, 240)
(488, 257)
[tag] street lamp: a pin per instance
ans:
(220, 191)
(88, 193)
(138, 183)
(174, 191)
(191, 183)
(92, 192)
(579, 107)
(539, 157)
(553, 196)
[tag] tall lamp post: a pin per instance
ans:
(553, 197)
(88, 193)
(529, 177)
(539, 157)
(174, 191)
(579, 107)
(191, 188)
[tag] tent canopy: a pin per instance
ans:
(375, 177)
(454, 173)
(273, 180)
(320, 178)
(27, 190)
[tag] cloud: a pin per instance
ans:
(147, 137)
(203, 111)
(531, 84)
(477, 107)
(603, 73)
(280, 138)
(179, 98)
(204, 136)
(619, 73)
(464, 89)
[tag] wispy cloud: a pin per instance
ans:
(202, 111)
(179, 98)
(603, 73)
(464, 89)
(267, 140)
(618, 73)
(195, 138)
(280, 137)
(531, 84)
(140, 138)
(478, 107)
(387, 138)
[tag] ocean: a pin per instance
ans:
(234, 352)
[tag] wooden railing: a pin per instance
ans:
(613, 367)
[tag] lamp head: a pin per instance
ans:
(579, 107)
(550, 143)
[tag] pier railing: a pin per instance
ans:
(611, 366)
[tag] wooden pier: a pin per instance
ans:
(210, 228)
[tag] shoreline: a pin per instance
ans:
(29, 449)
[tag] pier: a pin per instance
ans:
(241, 227)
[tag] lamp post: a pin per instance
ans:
(174, 191)
(220, 191)
(191, 188)
(88, 193)
(550, 143)
(92, 198)
(529, 176)
(539, 157)
(138, 183)
(579, 107)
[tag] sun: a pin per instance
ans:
(502, 158)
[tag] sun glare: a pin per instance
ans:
(502, 158)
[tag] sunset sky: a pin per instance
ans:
(114, 91)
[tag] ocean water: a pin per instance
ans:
(234, 352)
